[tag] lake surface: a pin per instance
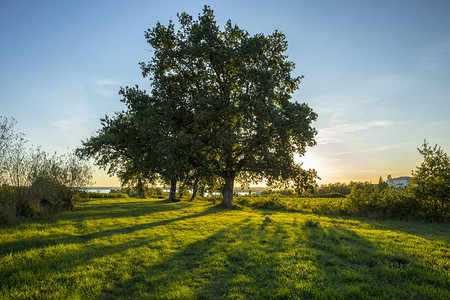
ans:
(103, 190)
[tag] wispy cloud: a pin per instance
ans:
(342, 105)
(439, 123)
(105, 81)
(106, 87)
(72, 124)
(333, 134)
(370, 150)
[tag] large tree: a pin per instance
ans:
(236, 90)
(219, 109)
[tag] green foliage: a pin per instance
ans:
(337, 188)
(155, 192)
(153, 249)
(271, 202)
(7, 205)
(219, 111)
(95, 195)
(287, 203)
(427, 197)
(312, 223)
(362, 199)
(431, 181)
(382, 185)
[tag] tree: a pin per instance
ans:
(219, 110)
(431, 180)
(234, 93)
(145, 142)
(14, 159)
(117, 148)
(382, 185)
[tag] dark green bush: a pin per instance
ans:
(7, 205)
(88, 195)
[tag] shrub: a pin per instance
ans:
(7, 205)
(103, 195)
(311, 223)
(362, 199)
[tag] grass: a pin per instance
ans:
(149, 248)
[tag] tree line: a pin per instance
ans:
(426, 197)
(219, 111)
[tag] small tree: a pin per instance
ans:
(431, 181)
(382, 185)
(14, 157)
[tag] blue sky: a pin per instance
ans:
(376, 72)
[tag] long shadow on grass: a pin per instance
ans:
(352, 267)
(258, 260)
(41, 242)
(82, 255)
(196, 265)
(422, 229)
(114, 210)
(247, 260)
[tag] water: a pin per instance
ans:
(103, 190)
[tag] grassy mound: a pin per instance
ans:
(148, 248)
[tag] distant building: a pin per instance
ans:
(399, 182)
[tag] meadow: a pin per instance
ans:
(130, 248)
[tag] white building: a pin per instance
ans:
(399, 182)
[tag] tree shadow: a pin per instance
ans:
(253, 259)
(229, 262)
(350, 266)
(421, 229)
(249, 259)
(79, 253)
(112, 210)
(22, 245)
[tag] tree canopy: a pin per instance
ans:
(431, 180)
(220, 108)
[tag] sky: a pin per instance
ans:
(377, 73)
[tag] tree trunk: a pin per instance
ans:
(194, 193)
(180, 192)
(227, 192)
(173, 189)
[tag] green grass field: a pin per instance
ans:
(148, 248)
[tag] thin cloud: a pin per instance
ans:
(374, 149)
(68, 125)
(332, 134)
(104, 81)
(106, 87)
(339, 105)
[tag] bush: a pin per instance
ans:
(362, 199)
(155, 192)
(311, 223)
(103, 195)
(7, 205)
(33, 181)
(260, 202)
